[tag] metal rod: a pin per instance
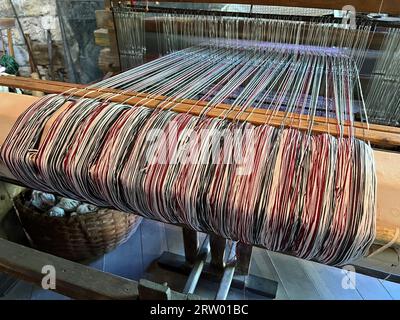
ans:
(227, 277)
(50, 53)
(194, 275)
(116, 39)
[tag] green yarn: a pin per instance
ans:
(9, 63)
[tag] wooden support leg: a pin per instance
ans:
(218, 246)
(191, 244)
(243, 256)
(220, 265)
(10, 43)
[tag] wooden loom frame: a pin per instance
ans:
(375, 6)
(386, 6)
(384, 234)
(13, 257)
(379, 135)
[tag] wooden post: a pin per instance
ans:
(243, 256)
(218, 245)
(10, 43)
(191, 244)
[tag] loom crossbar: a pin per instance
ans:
(387, 6)
(378, 135)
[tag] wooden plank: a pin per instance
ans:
(56, 87)
(153, 291)
(7, 23)
(387, 6)
(319, 125)
(10, 43)
(72, 279)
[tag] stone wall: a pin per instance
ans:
(36, 16)
(79, 21)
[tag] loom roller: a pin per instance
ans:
(388, 172)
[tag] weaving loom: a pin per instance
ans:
(255, 128)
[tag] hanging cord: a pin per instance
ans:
(387, 245)
(396, 237)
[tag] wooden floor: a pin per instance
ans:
(298, 279)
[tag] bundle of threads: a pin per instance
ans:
(285, 189)
(56, 206)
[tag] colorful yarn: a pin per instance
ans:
(10, 64)
(311, 196)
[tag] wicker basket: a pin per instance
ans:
(78, 237)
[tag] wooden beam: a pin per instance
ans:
(378, 135)
(72, 279)
(7, 23)
(10, 43)
(375, 6)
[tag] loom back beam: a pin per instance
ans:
(387, 168)
(378, 135)
(387, 6)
